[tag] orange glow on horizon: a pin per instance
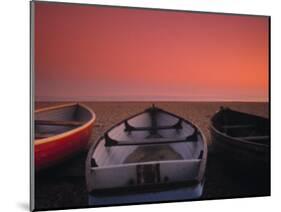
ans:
(89, 52)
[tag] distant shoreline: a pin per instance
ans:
(143, 98)
(151, 101)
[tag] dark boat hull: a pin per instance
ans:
(237, 148)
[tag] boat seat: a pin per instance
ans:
(58, 123)
(130, 128)
(41, 136)
(254, 138)
(112, 142)
(238, 126)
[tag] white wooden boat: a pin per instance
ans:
(151, 150)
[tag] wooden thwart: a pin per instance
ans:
(112, 142)
(41, 135)
(59, 123)
(129, 127)
(237, 126)
(254, 138)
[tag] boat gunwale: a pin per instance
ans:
(203, 160)
(235, 139)
(67, 133)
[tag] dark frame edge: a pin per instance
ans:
(146, 8)
(269, 97)
(31, 90)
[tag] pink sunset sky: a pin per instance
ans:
(103, 53)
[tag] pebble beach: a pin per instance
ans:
(64, 186)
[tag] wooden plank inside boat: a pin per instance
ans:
(238, 126)
(152, 153)
(256, 138)
(58, 123)
(41, 135)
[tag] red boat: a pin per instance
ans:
(60, 132)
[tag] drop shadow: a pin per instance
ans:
(23, 205)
